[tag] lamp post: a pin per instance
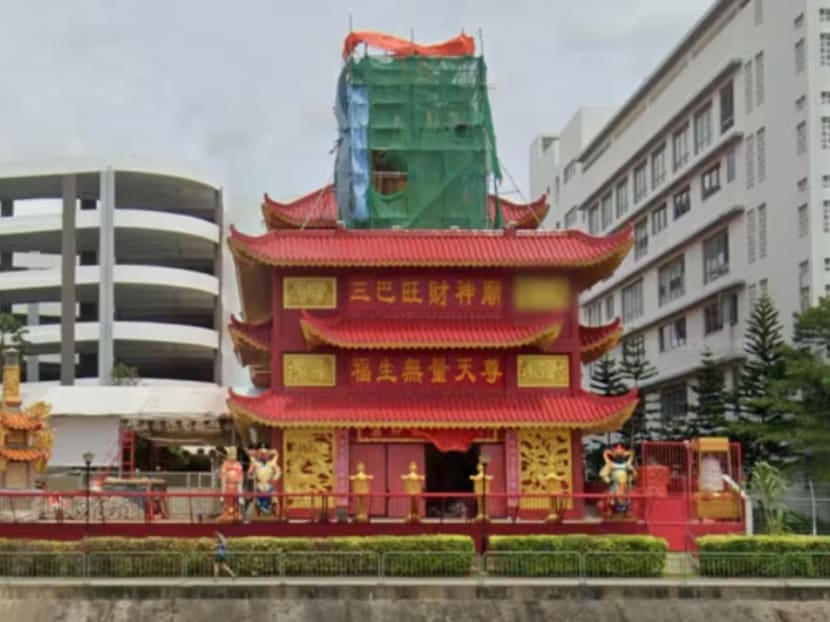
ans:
(88, 457)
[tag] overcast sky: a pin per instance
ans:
(246, 87)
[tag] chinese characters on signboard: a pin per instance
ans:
(434, 370)
(440, 292)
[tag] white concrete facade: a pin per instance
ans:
(721, 163)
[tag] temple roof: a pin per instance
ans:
(597, 340)
(388, 248)
(318, 210)
(19, 421)
(453, 410)
(23, 455)
(433, 333)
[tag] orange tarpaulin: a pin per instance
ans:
(462, 45)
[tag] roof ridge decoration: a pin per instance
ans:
(576, 410)
(318, 210)
(597, 340)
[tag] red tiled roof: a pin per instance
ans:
(597, 340)
(456, 410)
(387, 248)
(19, 421)
(434, 333)
(257, 336)
(23, 455)
(318, 210)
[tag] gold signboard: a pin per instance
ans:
(541, 293)
(309, 370)
(309, 292)
(543, 371)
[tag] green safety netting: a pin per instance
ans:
(430, 141)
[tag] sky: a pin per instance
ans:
(246, 88)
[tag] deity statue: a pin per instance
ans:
(413, 486)
(557, 485)
(361, 487)
(619, 473)
(265, 473)
(230, 475)
(481, 487)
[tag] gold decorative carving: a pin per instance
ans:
(308, 459)
(309, 292)
(543, 371)
(309, 370)
(542, 452)
(541, 293)
(11, 385)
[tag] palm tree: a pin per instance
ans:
(12, 333)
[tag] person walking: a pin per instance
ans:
(222, 555)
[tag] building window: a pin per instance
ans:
(799, 56)
(824, 15)
(674, 402)
(763, 287)
(593, 219)
(680, 147)
(569, 172)
(641, 238)
(825, 182)
(593, 313)
(798, 22)
(803, 221)
(759, 79)
(804, 284)
(632, 301)
(719, 313)
(703, 128)
(753, 296)
(607, 211)
(800, 137)
(759, 12)
(824, 49)
(727, 107)
(716, 256)
(800, 103)
(750, 161)
(762, 231)
(730, 165)
(825, 133)
(802, 184)
(659, 219)
(609, 308)
(640, 187)
(825, 98)
(827, 264)
(570, 217)
(672, 335)
(751, 234)
(672, 281)
(748, 86)
(761, 147)
(622, 198)
(658, 167)
(710, 181)
(825, 209)
(682, 202)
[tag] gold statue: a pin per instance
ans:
(557, 484)
(361, 487)
(413, 486)
(481, 487)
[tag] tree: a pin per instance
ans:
(710, 407)
(635, 369)
(12, 333)
(767, 485)
(804, 392)
(759, 418)
(606, 379)
(124, 375)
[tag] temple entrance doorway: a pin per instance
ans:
(447, 473)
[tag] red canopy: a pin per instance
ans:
(462, 45)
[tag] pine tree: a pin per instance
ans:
(712, 398)
(759, 417)
(634, 370)
(606, 380)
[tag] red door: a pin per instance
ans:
(398, 457)
(373, 457)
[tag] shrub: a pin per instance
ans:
(574, 555)
(764, 556)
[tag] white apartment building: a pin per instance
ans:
(720, 162)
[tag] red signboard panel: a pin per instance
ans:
(450, 370)
(449, 293)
